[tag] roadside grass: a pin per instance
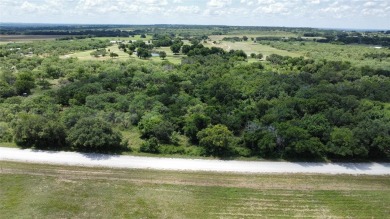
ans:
(48, 191)
(8, 145)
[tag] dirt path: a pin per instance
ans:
(116, 161)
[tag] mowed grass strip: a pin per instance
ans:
(48, 191)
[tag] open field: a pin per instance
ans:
(45, 191)
(352, 53)
(136, 37)
(27, 38)
(86, 55)
(250, 47)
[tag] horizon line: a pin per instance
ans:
(224, 25)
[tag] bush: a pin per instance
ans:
(94, 134)
(150, 146)
(5, 132)
(154, 125)
(39, 132)
(216, 140)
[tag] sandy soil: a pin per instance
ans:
(116, 161)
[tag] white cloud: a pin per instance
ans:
(316, 2)
(373, 13)
(47, 6)
(276, 8)
(219, 3)
(187, 9)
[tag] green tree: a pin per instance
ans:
(5, 132)
(143, 53)
(175, 48)
(6, 90)
(186, 49)
(37, 131)
(24, 83)
(154, 125)
(343, 143)
(113, 55)
(162, 54)
(71, 115)
(215, 139)
(195, 120)
(150, 146)
(93, 134)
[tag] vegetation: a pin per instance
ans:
(53, 191)
(277, 94)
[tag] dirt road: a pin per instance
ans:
(116, 161)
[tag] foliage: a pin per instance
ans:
(37, 131)
(162, 54)
(92, 134)
(216, 140)
(154, 125)
(316, 106)
(24, 83)
(150, 146)
(99, 52)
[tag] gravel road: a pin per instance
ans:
(116, 161)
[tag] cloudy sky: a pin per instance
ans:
(361, 14)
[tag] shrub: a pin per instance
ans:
(150, 146)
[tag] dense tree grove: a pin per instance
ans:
(214, 103)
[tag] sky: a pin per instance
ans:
(353, 14)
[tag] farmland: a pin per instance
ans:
(27, 38)
(47, 191)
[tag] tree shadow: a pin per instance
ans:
(310, 164)
(360, 166)
(98, 156)
(103, 154)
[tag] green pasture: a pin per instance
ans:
(352, 53)
(122, 56)
(251, 47)
(45, 191)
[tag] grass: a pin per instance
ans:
(251, 47)
(27, 38)
(254, 34)
(122, 56)
(46, 191)
(8, 144)
(351, 53)
(136, 37)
